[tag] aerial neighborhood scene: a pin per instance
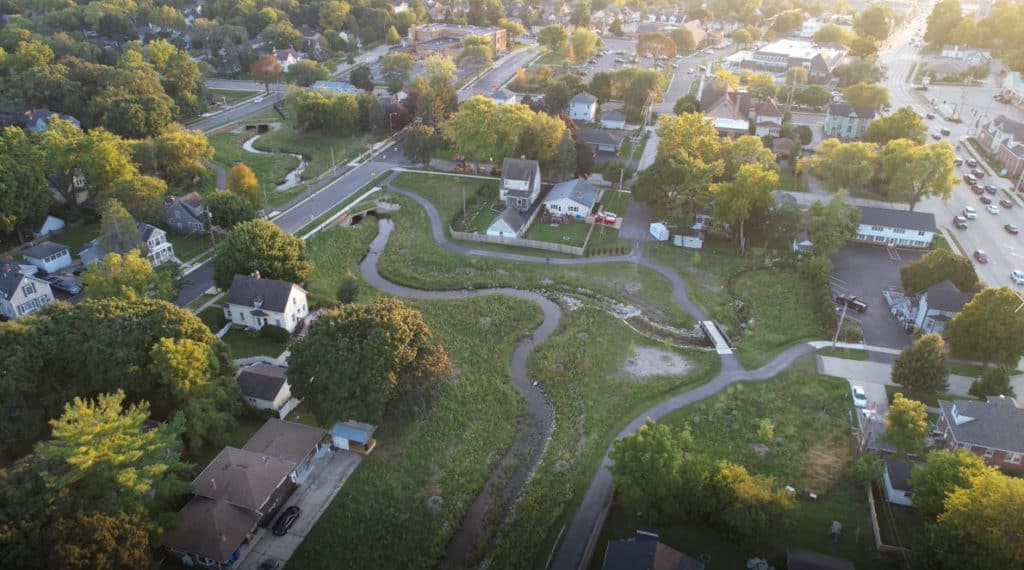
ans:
(512, 284)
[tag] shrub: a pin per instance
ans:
(275, 334)
(349, 289)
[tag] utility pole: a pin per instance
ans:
(839, 327)
(213, 236)
(334, 166)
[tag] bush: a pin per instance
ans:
(275, 334)
(349, 289)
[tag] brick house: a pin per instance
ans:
(1004, 138)
(993, 429)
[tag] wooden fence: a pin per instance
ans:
(517, 242)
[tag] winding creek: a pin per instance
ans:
(293, 178)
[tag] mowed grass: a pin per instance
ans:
(270, 170)
(316, 148)
(245, 344)
(581, 373)
(446, 193)
(812, 449)
(573, 233)
(231, 96)
(381, 517)
(188, 246)
(336, 253)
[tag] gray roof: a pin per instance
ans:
(261, 380)
(335, 87)
(10, 279)
(284, 440)
(519, 169)
(44, 249)
(899, 474)
(845, 110)
(246, 291)
(613, 116)
(584, 98)
(577, 190)
(601, 137)
(211, 529)
(887, 217)
(1008, 125)
(353, 431)
(242, 478)
(946, 297)
(512, 219)
(721, 103)
(502, 95)
(997, 423)
(629, 554)
(146, 231)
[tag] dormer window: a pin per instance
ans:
(257, 303)
(959, 418)
(29, 289)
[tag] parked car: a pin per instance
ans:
(970, 213)
(930, 115)
(852, 302)
(990, 189)
(977, 190)
(937, 136)
(945, 132)
(958, 161)
(985, 199)
(992, 209)
(69, 287)
(978, 173)
(1018, 276)
(269, 564)
(960, 222)
(972, 163)
(970, 179)
(1006, 203)
(860, 397)
(286, 520)
(1012, 228)
(980, 256)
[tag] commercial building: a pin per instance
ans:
(440, 31)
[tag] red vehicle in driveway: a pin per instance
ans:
(980, 256)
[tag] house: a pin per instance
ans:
(286, 57)
(510, 224)
(646, 552)
(1013, 87)
(846, 121)
(504, 97)
(729, 109)
(583, 107)
(600, 140)
(809, 28)
(242, 490)
(520, 183)
(993, 429)
(896, 477)
(21, 294)
(498, 37)
(353, 436)
(802, 243)
(48, 256)
(780, 55)
(158, 249)
(335, 87)
(265, 387)
(50, 224)
(185, 215)
(895, 228)
(970, 56)
(573, 198)
(254, 303)
(937, 305)
(768, 118)
(613, 120)
(805, 560)
(1004, 138)
(783, 148)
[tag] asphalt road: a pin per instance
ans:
(504, 69)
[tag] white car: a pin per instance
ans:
(860, 398)
(258, 100)
(970, 213)
(992, 209)
(1018, 276)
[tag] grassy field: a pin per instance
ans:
(847, 353)
(446, 193)
(75, 237)
(187, 247)
(213, 317)
(573, 233)
(811, 449)
(335, 253)
(230, 96)
(269, 170)
(244, 345)
(581, 371)
(448, 454)
(315, 147)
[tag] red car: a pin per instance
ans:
(977, 190)
(980, 256)
(1006, 204)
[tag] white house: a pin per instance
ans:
(583, 107)
(253, 302)
(48, 256)
(265, 387)
(846, 121)
(21, 294)
(159, 250)
(613, 120)
(802, 242)
(510, 224)
(768, 118)
(286, 57)
(520, 183)
(573, 198)
(504, 97)
(50, 224)
(937, 305)
(896, 476)
(895, 228)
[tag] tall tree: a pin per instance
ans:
(751, 191)
(361, 77)
(647, 469)
(229, 210)
(906, 425)
(23, 187)
(868, 95)
(942, 473)
(439, 69)
(655, 44)
(692, 133)
(747, 149)
(993, 382)
(945, 16)
(970, 333)
(841, 166)
(118, 229)
(128, 276)
(914, 172)
(762, 85)
(980, 525)
(937, 266)
(584, 43)
(260, 246)
(420, 143)
(683, 38)
(905, 123)
(395, 68)
(242, 181)
(874, 22)
(306, 72)
(921, 368)
(751, 505)
(266, 70)
(142, 196)
(830, 226)
(726, 80)
(677, 184)
(553, 37)
(102, 541)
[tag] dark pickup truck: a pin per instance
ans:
(852, 302)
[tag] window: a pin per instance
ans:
(227, 313)
(574, 209)
(877, 228)
(29, 289)
(899, 231)
(1013, 458)
(920, 233)
(989, 453)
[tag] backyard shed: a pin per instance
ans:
(353, 436)
(659, 231)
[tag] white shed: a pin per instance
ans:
(660, 231)
(897, 482)
(353, 436)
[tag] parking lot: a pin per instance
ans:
(864, 271)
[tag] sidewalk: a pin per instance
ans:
(866, 372)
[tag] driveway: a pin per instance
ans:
(637, 223)
(864, 270)
(329, 475)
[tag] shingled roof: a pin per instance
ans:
(261, 381)
(209, 528)
(287, 440)
(997, 423)
(248, 290)
(243, 478)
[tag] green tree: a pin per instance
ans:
(813, 95)
(867, 469)
(874, 22)
(727, 80)
(600, 86)
(482, 130)
(784, 223)
(139, 116)
(747, 149)
(686, 104)
(914, 172)
(864, 47)
(942, 473)
(860, 70)
(229, 210)
(266, 70)
(740, 36)
(282, 35)
(392, 37)
(647, 469)
(357, 358)
(841, 166)
(118, 229)
(260, 246)
(980, 526)
(513, 30)
(937, 266)
(832, 33)
(867, 95)
(830, 226)
(655, 44)
(361, 77)
(751, 505)
(439, 69)
(306, 72)
(585, 42)
(616, 27)
(945, 16)
(24, 196)
(762, 85)
(678, 184)
(921, 368)
(788, 21)
(906, 425)
(334, 14)
(553, 37)
(796, 76)
(993, 382)
(102, 541)
(420, 143)
(476, 51)
(970, 333)
(683, 38)
(242, 181)
(175, 155)
(128, 276)
(142, 196)
(395, 68)
(751, 191)
(691, 133)
(905, 123)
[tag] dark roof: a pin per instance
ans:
(242, 478)
(1008, 125)
(284, 440)
(613, 116)
(783, 145)
(887, 217)
(44, 249)
(584, 98)
(10, 279)
(768, 108)
(946, 297)
(512, 219)
(899, 474)
(629, 554)
(146, 230)
(723, 104)
(804, 560)
(502, 95)
(997, 423)
(262, 381)
(845, 110)
(211, 529)
(246, 291)
(601, 137)
(519, 169)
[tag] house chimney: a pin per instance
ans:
(255, 275)
(213, 482)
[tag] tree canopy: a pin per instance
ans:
(942, 473)
(260, 246)
(129, 277)
(972, 334)
(921, 368)
(904, 123)
(647, 469)
(937, 266)
(906, 425)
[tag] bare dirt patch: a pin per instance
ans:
(646, 362)
(824, 463)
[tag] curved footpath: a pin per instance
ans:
(580, 531)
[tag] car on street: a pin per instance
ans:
(978, 173)
(960, 222)
(977, 190)
(992, 209)
(980, 256)
(930, 115)
(860, 397)
(985, 199)
(69, 287)
(972, 163)
(937, 136)
(1006, 203)
(852, 302)
(1017, 276)
(991, 189)
(269, 564)
(970, 179)
(1012, 228)
(945, 132)
(970, 213)
(958, 161)
(286, 520)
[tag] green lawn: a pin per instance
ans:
(572, 234)
(811, 449)
(552, 58)
(791, 182)
(847, 353)
(335, 253)
(605, 238)
(244, 345)
(315, 147)
(447, 193)
(187, 247)
(231, 96)
(213, 318)
(269, 170)
(75, 237)
(930, 400)
(448, 452)
(615, 202)
(629, 150)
